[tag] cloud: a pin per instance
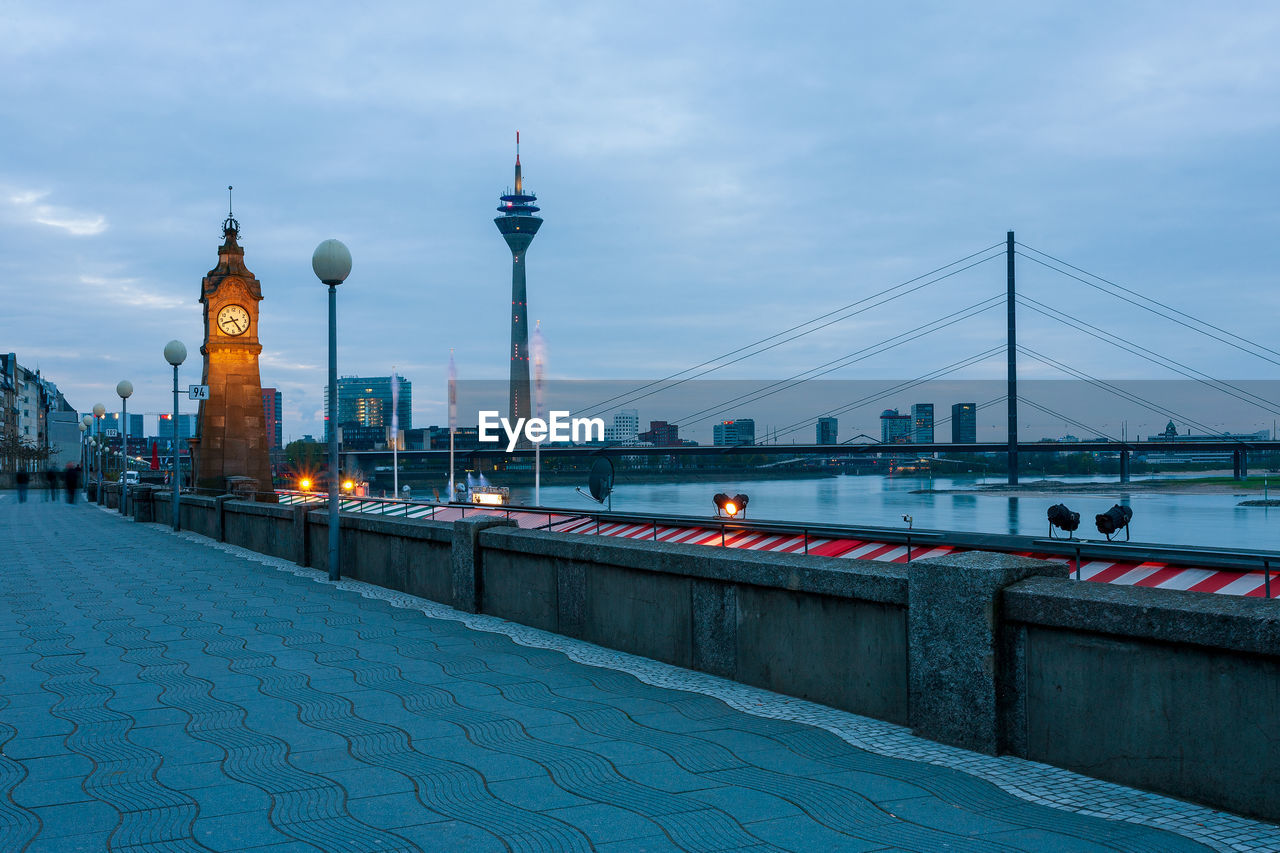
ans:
(27, 205)
(128, 291)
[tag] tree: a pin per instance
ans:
(305, 455)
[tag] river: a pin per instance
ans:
(1162, 517)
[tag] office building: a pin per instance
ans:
(625, 430)
(964, 423)
(186, 427)
(735, 432)
(828, 431)
(365, 401)
(922, 423)
(662, 434)
(273, 410)
(111, 422)
(895, 428)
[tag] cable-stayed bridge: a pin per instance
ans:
(915, 292)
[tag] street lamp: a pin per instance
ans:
(125, 389)
(98, 411)
(175, 352)
(331, 263)
(84, 453)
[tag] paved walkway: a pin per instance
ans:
(165, 693)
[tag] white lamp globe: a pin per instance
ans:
(331, 262)
(87, 421)
(124, 388)
(99, 410)
(175, 352)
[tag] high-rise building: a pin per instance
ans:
(895, 428)
(186, 427)
(662, 434)
(734, 432)
(518, 225)
(964, 423)
(828, 430)
(273, 409)
(922, 423)
(111, 421)
(625, 429)
(365, 401)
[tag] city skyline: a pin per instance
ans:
(111, 225)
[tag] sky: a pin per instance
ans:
(709, 174)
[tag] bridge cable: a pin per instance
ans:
(1102, 384)
(902, 386)
(1072, 421)
(846, 360)
(1147, 298)
(604, 403)
(1158, 314)
(1150, 355)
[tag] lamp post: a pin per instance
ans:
(84, 453)
(125, 389)
(175, 352)
(331, 263)
(98, 411)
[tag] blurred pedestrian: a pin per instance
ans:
(72, 481)
(50, 484)
(21, 479)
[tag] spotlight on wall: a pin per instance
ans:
(1114, 519)
(1063, 519)
(731, 507)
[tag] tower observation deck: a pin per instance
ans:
(518, 224)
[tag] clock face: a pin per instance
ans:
(233, 320)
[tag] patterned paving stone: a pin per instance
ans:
(165, 692)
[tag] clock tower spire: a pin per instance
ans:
(232, 432)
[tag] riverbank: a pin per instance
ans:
(1211, 483)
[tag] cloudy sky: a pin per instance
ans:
(709, 173)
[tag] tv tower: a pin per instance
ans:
(518, 225)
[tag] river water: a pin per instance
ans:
(1174, 519)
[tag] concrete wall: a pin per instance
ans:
(407, 555)
(261, 527)
(833, 631)
(197, 514)
(1170, 691)
(1164, 690)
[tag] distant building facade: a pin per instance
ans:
(964, 423)
(186, 427)
(662, 434)
(922, 423)
(895, 428)
(828, 431)
(1193, 455)
(273, 409)
(437, 438)
(111, 421)
(38, 427)
(734, 432)
(365, 401)
(625, 430)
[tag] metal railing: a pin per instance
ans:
(1077, 549)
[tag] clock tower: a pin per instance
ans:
(232, 432)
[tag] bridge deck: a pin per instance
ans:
(163, 692)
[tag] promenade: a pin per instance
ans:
(167, 693)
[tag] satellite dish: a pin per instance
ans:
(600, 482)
